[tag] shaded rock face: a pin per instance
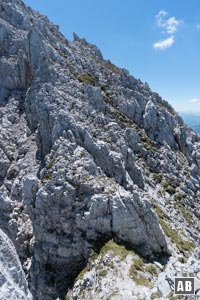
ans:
(79, 141)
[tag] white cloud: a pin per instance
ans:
(162, 45)
(194, 100)
(170, 25)
(198, 26)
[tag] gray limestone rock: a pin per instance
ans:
(13, 285)
(88, 153)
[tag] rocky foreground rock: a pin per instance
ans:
(89, 156)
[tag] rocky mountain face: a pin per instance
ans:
(99, 177)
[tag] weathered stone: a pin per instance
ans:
(13, 283)
(84, 149)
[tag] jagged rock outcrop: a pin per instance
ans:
(13, 283)
(88, 153)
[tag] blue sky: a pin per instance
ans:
(158, 41)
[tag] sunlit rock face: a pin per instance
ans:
(88, 154)
(12, 278)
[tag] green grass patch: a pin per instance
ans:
(115, 250)
(170, 189)
(87, 78)
(186, 214)
(139, 264)
(182, 207)
(183, 246)
(122, 118)
(157, 177)
(93, 256)
(138, 278)
(137, 268)
(171, 296)
(181, 260)
(46, 178)
(178, 196)
(103, 272)
(165, 184)
(51, 163)
(115, 293)
(147, 142)
(151, 269)
(155, 296)
(82, 273)
(161, 214)
(110, 66)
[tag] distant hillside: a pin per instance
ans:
(192, 120)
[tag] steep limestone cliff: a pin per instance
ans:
(89, 154)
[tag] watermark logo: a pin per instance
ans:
(184, 286)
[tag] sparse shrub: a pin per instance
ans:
(93, 256)
(155, 296)
(103, 273)
(46, 177)
(139, 266)
(115, 250)
(138, 278)
(165, 184)
(51, 163)
(122, 118)
(180, 204)
(151, 269)
(171, 296)
(110, 66)
(82, 154)
(161, 214)
(157, 177)
(170, 189)
(178, 196)
(184, 246)
(181, 260)
(82, 273)
(88, 78)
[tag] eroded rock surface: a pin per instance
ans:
(13, 283)
(88, 154)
